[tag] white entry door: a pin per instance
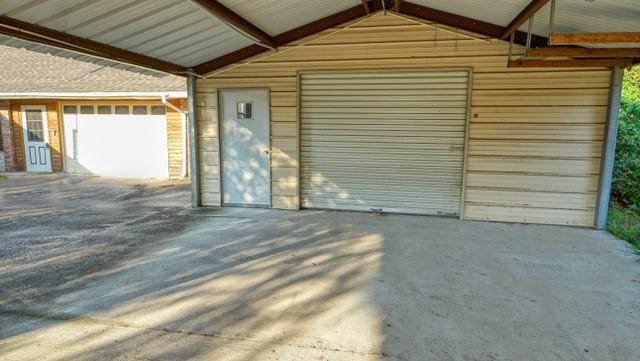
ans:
(245, 147)
(36, 138)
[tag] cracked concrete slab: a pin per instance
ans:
(103, 269)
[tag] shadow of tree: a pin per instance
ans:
(239, 286)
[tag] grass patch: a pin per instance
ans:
(624, 224)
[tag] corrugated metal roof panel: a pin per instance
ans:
(182, 32)
(277, 16)
(572, 16)
(133, 24)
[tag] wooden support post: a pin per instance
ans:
(609, 149)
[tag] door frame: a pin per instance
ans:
(220, 115)
(45, 132)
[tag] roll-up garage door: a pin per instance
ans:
(390, 141)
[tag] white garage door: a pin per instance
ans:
(383, 140)
(116, 140)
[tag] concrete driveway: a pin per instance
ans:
(95, 269)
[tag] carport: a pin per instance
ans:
(422, 107)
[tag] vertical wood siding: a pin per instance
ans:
(55, 133)
(535, 135)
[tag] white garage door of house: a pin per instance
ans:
(116, 140)
(389, 140)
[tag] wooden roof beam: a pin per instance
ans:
(468, 24)
(236, 21)
(406, 7)
(292, 35)
(46, 36)
(585, 52)
(593, 38)
(523, 16)
(365, 5)
(572, 63)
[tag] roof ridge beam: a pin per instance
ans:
(39, 34)
(237, 22)
(523, 16)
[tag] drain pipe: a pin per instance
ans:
(183, 126)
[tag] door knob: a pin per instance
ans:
(266, 152)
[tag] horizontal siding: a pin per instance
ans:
(535, 136)
(206, 102)
(175, 139)
(534, 151)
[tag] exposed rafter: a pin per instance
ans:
(407, 8)
(585, 52)
(524, 15)
(42, 35)
(365, 5)
(290, 36)
(572, 63)
(236, 21)
(465, 23)
(593, 38)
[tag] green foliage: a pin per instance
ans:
(626, 173)
(624, 224)
(631, 85)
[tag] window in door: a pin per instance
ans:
(35, 128)
(139, 110)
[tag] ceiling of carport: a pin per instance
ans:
(177, 31)
(183, 33)
(572, 16)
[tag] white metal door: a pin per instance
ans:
(389, 140)
(36, 138)
(120, 144)
(245, 147)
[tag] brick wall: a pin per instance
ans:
(6, 132)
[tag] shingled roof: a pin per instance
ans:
(31, 68)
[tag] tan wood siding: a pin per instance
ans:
(53, 123)
(535, 136)
(175, 139)
(207, 144)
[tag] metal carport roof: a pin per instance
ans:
(173, 35)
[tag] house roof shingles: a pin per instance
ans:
(23, 70)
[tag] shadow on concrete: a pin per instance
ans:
(244, 284)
